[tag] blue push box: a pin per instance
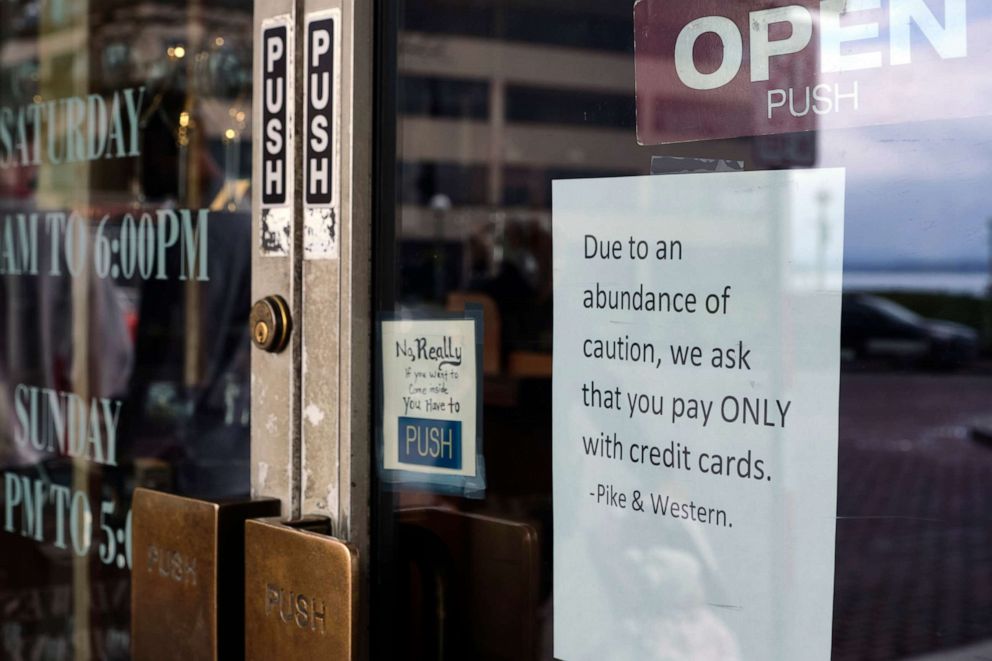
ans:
(435, 443)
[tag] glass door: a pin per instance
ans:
(125, 286)
(488, 110)
(416, 183)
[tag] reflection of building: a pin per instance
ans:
(490, 119)
(194, 62)
(495, 101)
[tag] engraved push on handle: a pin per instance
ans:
(187, 596)
(301, 591)
(271, 324)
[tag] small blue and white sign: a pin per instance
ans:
(430, 425)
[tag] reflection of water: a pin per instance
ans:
(950, 282)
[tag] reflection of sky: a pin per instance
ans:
(977, 11)
(917, 192)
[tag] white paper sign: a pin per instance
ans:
(430, 396)
(696, 376)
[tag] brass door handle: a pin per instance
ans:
(271, 324)
(189, 562)
(301, 591)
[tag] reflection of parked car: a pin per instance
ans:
(874, 328)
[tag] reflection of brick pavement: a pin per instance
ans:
(914, 537)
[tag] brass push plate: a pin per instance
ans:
(301, 594)
(187, 589)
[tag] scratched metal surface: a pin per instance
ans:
(275, 438)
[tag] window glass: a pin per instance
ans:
(124, 290)
(472, 578)
(442, 97)
(566, 106)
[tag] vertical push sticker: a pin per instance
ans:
(321, 145)
(277, 135)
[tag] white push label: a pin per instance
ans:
(321, 148)
(277, 135)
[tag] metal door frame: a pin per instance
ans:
(311, 425)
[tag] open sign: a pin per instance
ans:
(716, 69)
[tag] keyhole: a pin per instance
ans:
(261, 332)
